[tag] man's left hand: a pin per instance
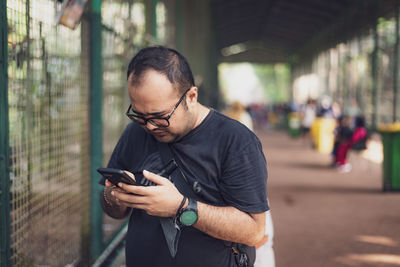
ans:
(161, 200)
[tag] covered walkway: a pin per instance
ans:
(326, 218)
(63, 100)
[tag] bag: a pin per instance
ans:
(360, 144)
(245, 256)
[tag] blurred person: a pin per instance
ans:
(308, 114)
(336, 111)
(217, 199)
(360, 134)
(325, 108)
(237, 111)
(339, 124)
(342, 144)
(265, 256)
(259, 114)
(265, 252)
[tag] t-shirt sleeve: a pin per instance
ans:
(244, 178)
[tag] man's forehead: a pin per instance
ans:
(152, 102)
(147, 76)
(150, 108)
(151, 81)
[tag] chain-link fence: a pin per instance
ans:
(48, 96)
(48, 119)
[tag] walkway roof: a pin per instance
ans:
(276, 30)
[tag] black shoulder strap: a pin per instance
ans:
(171, 231)
(178, 177)
(165, 151)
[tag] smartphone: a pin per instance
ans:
(116, 176)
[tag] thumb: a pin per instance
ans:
(157, 179)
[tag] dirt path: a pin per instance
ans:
(326, 218)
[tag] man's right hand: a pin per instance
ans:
(111, 205)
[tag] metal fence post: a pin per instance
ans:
(179, 26)
(396, 65)
(151, 18)
(4, 142)
(96, 127)
(374, 76)
(154, 17)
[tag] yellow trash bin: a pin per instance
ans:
(322, 134)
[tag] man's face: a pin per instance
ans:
(155, 97)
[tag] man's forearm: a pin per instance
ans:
(231, 224)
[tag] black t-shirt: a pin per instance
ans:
(226, 161)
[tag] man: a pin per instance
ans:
(218, 157)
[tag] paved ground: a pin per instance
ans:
(326, 218)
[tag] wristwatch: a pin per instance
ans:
(188, 216)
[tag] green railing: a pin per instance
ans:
(4, 142)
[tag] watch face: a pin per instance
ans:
(188, 217)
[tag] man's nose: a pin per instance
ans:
(150, 126)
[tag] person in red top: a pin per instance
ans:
(359, 137)
(348, 140)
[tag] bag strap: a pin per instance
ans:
(178, 177)
(171, 231)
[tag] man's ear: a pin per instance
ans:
(191, 97)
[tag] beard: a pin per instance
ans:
(163, 135)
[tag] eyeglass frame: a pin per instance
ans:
(166, 118)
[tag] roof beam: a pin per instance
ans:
(359, 16)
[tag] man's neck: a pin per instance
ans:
(202, 113)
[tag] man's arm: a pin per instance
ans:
(231, 224)
(226, 223)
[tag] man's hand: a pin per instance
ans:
(162, 200)
(108, 189)
(110, 204)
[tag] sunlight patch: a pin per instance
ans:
(379, 240)
(360, 259)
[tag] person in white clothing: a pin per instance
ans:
(265, 256)
(308, 115)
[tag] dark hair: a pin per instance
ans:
(359, 121)
(342, 118)
(166, 61)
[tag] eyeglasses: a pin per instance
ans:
(156, 121)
